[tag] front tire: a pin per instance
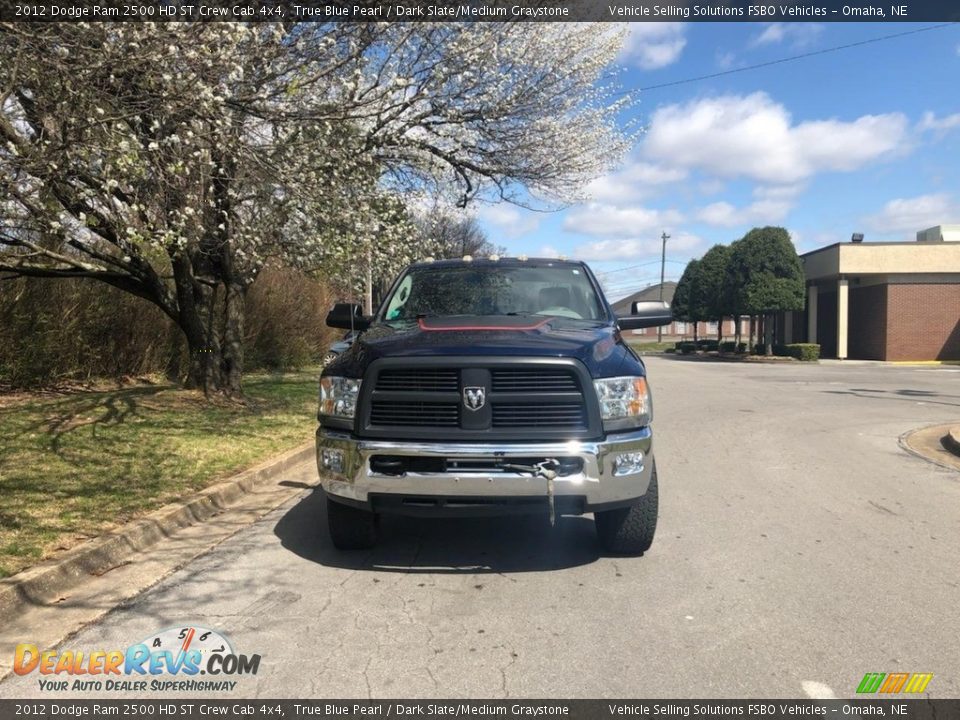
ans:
(630, 530)
(351, 528)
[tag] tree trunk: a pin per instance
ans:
(768, 334)
(232, 361)
(212, 322)
(696, 325)
(216, 352)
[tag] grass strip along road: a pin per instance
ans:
(76, 465)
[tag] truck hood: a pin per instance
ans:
(598, 347)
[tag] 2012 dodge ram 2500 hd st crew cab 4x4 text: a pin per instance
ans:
(490, 386)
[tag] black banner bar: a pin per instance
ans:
(190, 709)
(882, 11)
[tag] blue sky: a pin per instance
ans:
(865, 139)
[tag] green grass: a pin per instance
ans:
(650, 345)
(74, 466)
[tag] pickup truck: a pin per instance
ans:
(490, 386)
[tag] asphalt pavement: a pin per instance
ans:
(799, 547)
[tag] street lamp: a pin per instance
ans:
(663, 263)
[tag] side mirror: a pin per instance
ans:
(347, 316)
(644, 314)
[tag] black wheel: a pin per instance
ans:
(630, 530)
(351, 528)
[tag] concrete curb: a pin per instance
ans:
(753, 359)
(951, 440)
(930, 444)
(47, 582)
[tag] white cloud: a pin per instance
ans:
(510, 220)
(633, 183)
(652, 45)
(631, 248)
(752, 136)
(798, 35)
(598, 219)
(760, 212)
(907, 215)
(712, 186)
(726, 60)
(930, 121)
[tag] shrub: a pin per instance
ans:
(807, 352)
(57, 330)
(708, 345)
(686, 347)
(285, 322)
(728, 346)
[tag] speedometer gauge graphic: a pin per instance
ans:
(190, 638)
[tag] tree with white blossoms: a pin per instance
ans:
(450, 232)
(175, 161)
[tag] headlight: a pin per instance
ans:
(624, 398)
(338, 396)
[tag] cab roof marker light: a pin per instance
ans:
(495, 258)
(522, 258)
(468, 258)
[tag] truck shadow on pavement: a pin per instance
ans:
(515, 544)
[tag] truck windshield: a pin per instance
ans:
(559, 291)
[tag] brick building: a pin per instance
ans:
(677, 330)
(882, 301)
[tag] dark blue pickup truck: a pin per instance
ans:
(490, 386)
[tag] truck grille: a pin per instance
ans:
(522, 400)
(554, 415)
(432, 414)
(535, 380)
(420, 379)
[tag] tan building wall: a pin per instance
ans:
(882, 259)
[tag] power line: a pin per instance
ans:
(640, 283)
(791, 58)
(603, 273)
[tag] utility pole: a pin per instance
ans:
(663, 264)
(368, 290)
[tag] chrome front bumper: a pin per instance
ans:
(597, 485)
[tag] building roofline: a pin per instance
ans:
(847, 243)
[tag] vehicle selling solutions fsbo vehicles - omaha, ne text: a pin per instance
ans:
(492, 386)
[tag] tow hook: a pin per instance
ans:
(546, 469)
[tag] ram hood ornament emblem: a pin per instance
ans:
(474, 398)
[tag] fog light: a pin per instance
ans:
(629, 463)
(332, 460)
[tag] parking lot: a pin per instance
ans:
(799, 548)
